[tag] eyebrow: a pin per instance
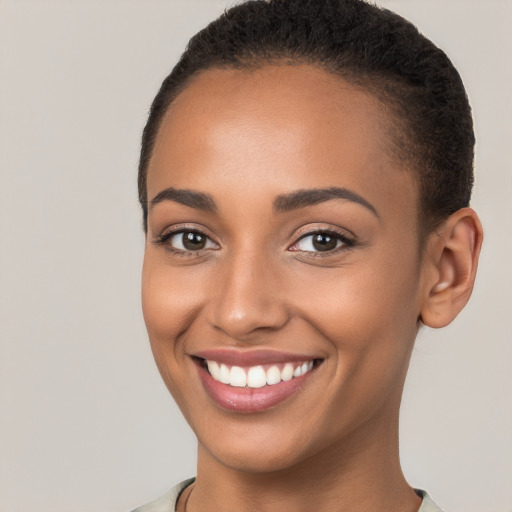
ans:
(283, 203)
(310, 197)
(197, 200)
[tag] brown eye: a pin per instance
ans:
(324, 242)
(191, 241)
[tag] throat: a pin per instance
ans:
(357, 484)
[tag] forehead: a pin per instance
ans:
(281, 127)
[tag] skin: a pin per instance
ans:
(245, 138)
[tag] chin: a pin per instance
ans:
(255, 460)
(258, 448)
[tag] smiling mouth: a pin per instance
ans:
(253, 381)
(257, 376)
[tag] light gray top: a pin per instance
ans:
(167, 503)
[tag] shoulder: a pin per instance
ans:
(167, 502)
(427, 505)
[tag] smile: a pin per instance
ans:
(255, 380)
(257, 376)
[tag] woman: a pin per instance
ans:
(305, 176)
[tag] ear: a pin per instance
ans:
(451, 261)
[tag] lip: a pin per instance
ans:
(250, 400)
(254, 357)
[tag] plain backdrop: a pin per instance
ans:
(85, 422)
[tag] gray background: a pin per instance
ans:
(85, 422)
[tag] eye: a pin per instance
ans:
(322, 241)
(187, 241)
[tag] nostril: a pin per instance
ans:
(245, 299)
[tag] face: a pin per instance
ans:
(282, 279)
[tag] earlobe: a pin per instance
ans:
(452, 259)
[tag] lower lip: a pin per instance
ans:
(249, 400)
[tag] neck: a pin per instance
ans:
(362, 473)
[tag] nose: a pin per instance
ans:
(247, 300)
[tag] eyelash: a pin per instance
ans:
(346, 242)
(164, 240)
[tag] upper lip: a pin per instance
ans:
(251, 357)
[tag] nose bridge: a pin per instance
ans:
(247, 298)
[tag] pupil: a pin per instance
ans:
(322, 242)
(193, 241)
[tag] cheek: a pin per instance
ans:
(369, 318)
(372, 305)
(169, 299)
(169, 303)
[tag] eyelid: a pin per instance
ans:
(347, 240)
(169, 232)
(173, 244)
(320, 227)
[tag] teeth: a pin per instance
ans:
(287, 373)
(273, 375)
(256, 376)
(237, 377)
(213, 368)
(224, 374)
